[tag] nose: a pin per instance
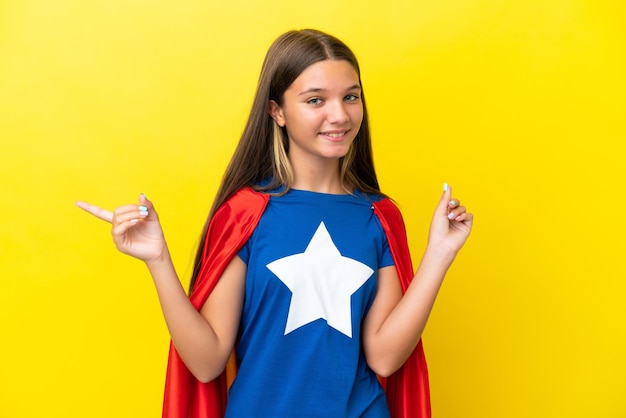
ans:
(337, 112)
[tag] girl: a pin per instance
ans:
(303, 267)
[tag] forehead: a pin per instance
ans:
(327, 75)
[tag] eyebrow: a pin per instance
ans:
(321, 90)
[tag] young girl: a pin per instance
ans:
(304, 268)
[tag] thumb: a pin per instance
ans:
(442, 206)
(143, 201)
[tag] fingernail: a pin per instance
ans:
(134, 221)
(453, 203)
(451, 215)
(144, 196)
(142, 208)
(445, 187)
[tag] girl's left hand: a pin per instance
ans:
(451, 223)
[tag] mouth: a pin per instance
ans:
(335, 134)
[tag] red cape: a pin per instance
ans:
(232, 224)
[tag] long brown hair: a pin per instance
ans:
(263, 148)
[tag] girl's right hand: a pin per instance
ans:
(136, 229)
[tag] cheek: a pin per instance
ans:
(297, 117)
(357, 115)
(308, 122)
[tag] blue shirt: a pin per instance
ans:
(312, 271)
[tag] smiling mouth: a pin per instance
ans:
(334, 134)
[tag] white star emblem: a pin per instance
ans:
(321, 281)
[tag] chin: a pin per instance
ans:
(337, 152)
(335, 155)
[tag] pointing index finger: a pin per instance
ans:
(96, 211)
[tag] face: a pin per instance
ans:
(322, 111)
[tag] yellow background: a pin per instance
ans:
(518, 104)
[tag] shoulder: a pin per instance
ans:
(387, 206)
(244, 199)
(389, 215)
(371, 198)
(243, 206)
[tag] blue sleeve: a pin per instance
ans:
(386, 259)
(244, 253)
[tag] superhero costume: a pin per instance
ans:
(313, 263)
(407, 390)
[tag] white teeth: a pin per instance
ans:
(335, 135)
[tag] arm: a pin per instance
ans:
(395, 322)
(205, 339)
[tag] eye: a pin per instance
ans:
(351, 98)
(314, 101)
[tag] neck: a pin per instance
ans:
(321, 178)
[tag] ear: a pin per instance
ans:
(276, 113)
